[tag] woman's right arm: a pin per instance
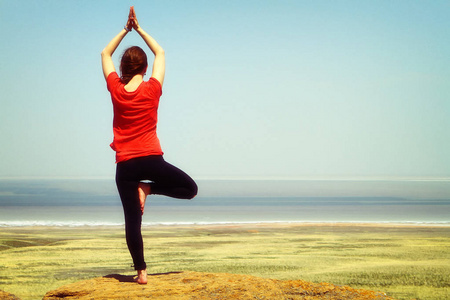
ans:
(159, 64)
(107, 62)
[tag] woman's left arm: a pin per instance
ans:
(107, 62)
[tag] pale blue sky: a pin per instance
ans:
(253, 89)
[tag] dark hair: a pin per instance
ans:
(133, 62)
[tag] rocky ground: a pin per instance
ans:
(194, 285)
(7, 296)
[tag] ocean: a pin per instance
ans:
(95, 202)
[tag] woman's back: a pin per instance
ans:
(135, 118)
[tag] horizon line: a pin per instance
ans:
(254, 178)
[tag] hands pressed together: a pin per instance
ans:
(158, 69)
(132, 21)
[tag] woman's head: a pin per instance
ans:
(133, 62)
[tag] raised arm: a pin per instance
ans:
(159, 63)
(107, 62)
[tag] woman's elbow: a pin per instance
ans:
(105, 53)
(160, 52)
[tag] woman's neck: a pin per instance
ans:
(134, 83)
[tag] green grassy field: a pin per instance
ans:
(406, 262)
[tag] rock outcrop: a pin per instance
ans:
(194, 285)
(7, 296)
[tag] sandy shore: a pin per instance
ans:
(404, 260)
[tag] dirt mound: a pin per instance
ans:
(194, 285)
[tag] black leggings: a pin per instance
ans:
(165, 180)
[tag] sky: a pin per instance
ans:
(253, 89)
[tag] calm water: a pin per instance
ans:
(95, 202)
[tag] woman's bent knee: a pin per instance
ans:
(194, 191)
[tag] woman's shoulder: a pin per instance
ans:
(155, 84)
(153, 80)
(112, 80)
(112, 75)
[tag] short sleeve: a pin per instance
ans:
(112, 81)
(156, 86)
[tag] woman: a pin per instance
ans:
(138, 151)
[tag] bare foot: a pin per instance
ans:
(144, 191)
(142, 277)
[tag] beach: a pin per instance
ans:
(406, 261)
(385, 235)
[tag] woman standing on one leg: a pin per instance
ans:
(138, 151)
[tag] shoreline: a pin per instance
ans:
(274, 225)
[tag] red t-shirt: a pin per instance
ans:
(135, 118)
